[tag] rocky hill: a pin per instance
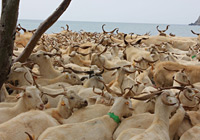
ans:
(196, 22)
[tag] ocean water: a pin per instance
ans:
(137, 28)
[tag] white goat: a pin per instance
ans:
(89, 128)
(29, 99)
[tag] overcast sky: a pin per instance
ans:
(133, 11)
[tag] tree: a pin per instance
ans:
(9, 16)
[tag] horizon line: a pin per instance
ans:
(107, 22)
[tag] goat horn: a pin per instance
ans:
(50, 55)
(164, 99)
(138, 61)
(114, 68)
(195, 33)
(166, 28)
(34, 77)
(145, 97)
(114, 30)
(85, 47)
(54, 95)
(26, 78)
(110, 90)
(100, 73)
(110, 31)
(67, 27)
(125, 42)
(158, 29)
(149, 60)
(162, 30)
(170, 70)
(98, 93)
(126, 95)
(186, 96)
(103, 28)
(103, 51)
(129, 72)
(63, 28)
(30, 137)
(183, 84)
(14, 87)
(83, 53)
(76, 71)
(131, 35)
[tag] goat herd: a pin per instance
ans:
(103, 86)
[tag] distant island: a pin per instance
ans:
(196, 22)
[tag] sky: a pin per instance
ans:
(128, 11)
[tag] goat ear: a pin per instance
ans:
(46, 57)
(127, 103)
(20, 95)
(67, 76)
(47, 106)
(19, 70)
(62, 103)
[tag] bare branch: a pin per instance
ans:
(41, 29)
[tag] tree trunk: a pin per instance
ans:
(9, 16)
(41, 29)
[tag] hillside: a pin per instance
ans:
(197, 22)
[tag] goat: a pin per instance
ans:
(29, 99)
(46, 68)
(164, 72)
(34, 122)
(159, 129)
(119, 108)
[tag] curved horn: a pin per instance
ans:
(110, 90)
(181, 83)
(51, 55)
(98, 93)
(113, 30)
(167, 27)
(109, 69)
(129, 72)
(170, 70)
(149, 60)
(30, 137)
(162, 31)
(67, 27)
(164, 98)
(158, 29)
(131, 35)
(84, 54)
(103, 51)
(186, 96)
(22, 28)
(100, 73)
(128, 94)
(110, 31)
(85, 47)
(125, 42)
(26, 78)
(53, 95)
(14, 87)
(138, 61)
(145, 97)
(103, 28)
(195, 33)
(32, 31)
(76, 71)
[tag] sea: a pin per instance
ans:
(137, 28)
